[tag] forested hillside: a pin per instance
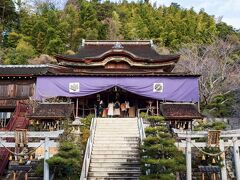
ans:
(30, 31)
(208, 46)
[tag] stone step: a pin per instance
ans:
(113, 132)
(116, 143)
(117, 126)
(119, 135)
(112, 148)
(98, 152)
(101, 134)
(116, 138)
(109, 130)
(115, 169)
(117, 122)
(116, 130)
(117, 118)
(114, 164)
(108, 127)
(113, 156)
(115, 147)
(113, 144)
(115, 160)
(112, 177)
(111, 174)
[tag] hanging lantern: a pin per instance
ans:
(178, 126)
(20, 160)
(31, 122)
(37, 122)
(31, 157)
(10, 158)
(213, 161)
(203, 157)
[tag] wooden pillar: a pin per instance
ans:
(203, 176)
(189, 156)
(77, 108)
(236, 157)
(214, 176)
(83, 109)
(157, 108)
(26, 176)
(14, 175)
(223, 168)
(46, 157)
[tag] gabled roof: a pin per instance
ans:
(180, 111)
(97, 50)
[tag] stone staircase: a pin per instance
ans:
(115, 153)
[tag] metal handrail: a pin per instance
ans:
(148, 110)
(88, 151)
(141, 110)
(141, 130)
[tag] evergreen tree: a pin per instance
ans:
(160, 157)
(67, 163)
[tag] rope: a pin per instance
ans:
(21, 154)
(211, 154)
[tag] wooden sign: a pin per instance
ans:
(213, 137)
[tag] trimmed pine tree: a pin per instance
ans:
(160, 158)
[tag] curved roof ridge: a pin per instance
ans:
(112, 42)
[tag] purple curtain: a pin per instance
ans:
(162, 88)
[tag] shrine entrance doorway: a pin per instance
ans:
(99, 104)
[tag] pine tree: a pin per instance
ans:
(160, 157)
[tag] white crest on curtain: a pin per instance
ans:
(74, 87)
(158, 87)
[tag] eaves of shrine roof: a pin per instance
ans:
(28, 70)
(137, 50)
(52, 111)
(180, 111)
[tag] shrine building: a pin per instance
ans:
(106, 72)
(104, 78)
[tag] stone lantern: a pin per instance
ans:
(76, 128)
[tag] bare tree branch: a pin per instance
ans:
(219, 73)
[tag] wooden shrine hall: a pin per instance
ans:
(107, 71)
(105, 78)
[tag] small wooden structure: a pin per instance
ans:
(223, 139)
(44, 142)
